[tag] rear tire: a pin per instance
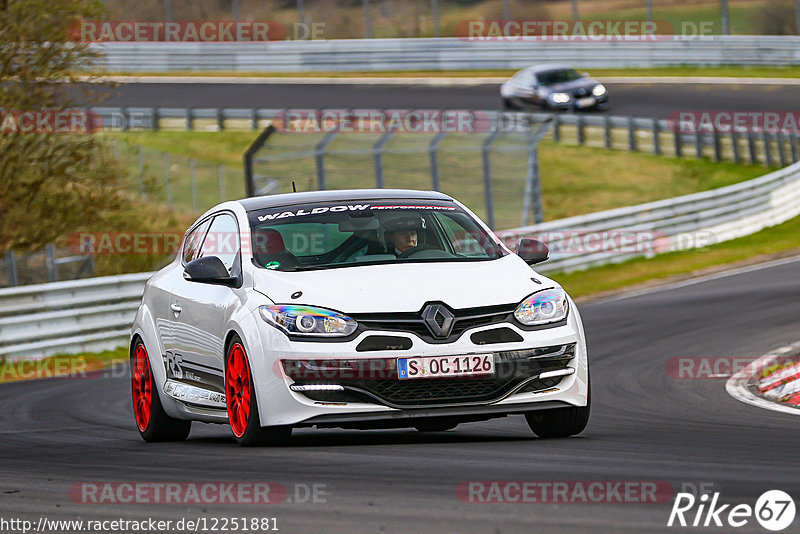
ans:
(242, 405)
(152, 421)
(560, 422)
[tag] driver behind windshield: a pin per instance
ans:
(401, 234)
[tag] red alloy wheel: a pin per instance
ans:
(142, 386)
(237, 389)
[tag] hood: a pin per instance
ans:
(587, 83)
(404, 287)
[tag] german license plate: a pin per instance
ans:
(585, 102)
(445, 366)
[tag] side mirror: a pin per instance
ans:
(208, 270)
(532, 251)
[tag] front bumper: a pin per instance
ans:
(514, 389)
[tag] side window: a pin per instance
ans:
(461, 239)
(222, 240)
(191, 246)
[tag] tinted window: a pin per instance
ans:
(325, 236)
(552, 77)
(194, 239)
(222, 240)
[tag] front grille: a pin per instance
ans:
(413, 322)
(511, 370)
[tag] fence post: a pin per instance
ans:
(11, 266)
(737, 155)
(751, 147)
(50, 260)
(780, 140)
(767, 149)
(167, 186)
(221, 181)
(254, 119)
(189, 119)
(557, 129)
(220, 120)
(124, 118)
(607, 131)
(486, 147)
(717, 146)
(193, 181)
(632, 146)
(433, 155)
(678, 143)
(533, 186)
(140, 157)
(656, 137)
(319, 158)
(377, 152)
(581, 130)
(793, 144)
(698, 143)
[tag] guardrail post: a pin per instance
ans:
(717, 145)
(220, 120)
(11, 267)
(433, 156)
(50, 260)
(167, 186)
(581, 130)
(751, 147)
(154, 120)
(557, 129)
(254, 119)
(780, 140)
(632, 135)
(768, 159)
(193, 182)
(377, 151)
(737, 155)
(678, 142)
(189, 119)
(221, 181)
(125, 117)
(793, 144)
(319, 158)
(698, 140)
(607, 140)
(487, 176)
(656, 137)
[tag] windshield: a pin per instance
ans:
(552, 77)
(345, 234)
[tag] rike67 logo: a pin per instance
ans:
(774, 510)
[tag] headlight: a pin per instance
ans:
(544, 307)
(599, 90)
(560, 98)
(308, 321)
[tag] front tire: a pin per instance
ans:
(240, 399)
(560, 422)
(152, 421)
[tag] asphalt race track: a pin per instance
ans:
(645, 100)
(645, 426)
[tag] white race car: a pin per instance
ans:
(355, 309)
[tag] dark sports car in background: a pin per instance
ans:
(553, 87)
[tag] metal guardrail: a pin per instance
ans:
(86, 315)
(446, 54)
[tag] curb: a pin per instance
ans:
(771, 381)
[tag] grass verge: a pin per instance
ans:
(86, 365)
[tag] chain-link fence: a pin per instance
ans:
(49, 265)
(494, 173)
(178, 181)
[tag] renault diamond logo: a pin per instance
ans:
(439, 320)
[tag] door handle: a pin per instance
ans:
(176, 308)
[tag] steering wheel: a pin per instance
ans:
(414, 250)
